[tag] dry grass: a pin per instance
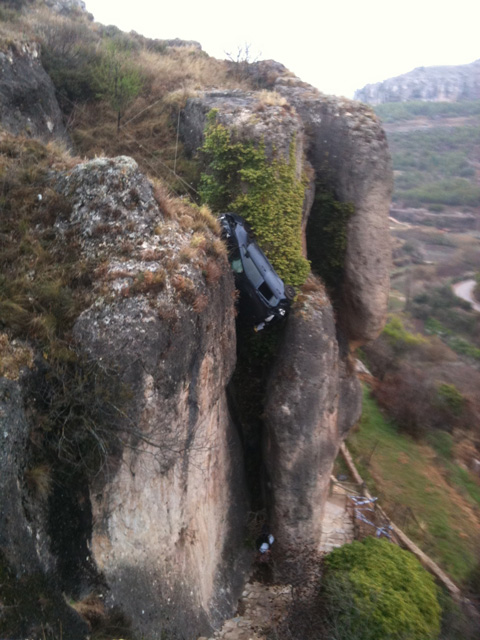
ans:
(212, 272)
(185, 288)
(270, 99)
(200, 303)
(198, 240)
(313, 284)
(39, 481)
(13, 358)
(171, 206)
(185, 69)
(92, 609)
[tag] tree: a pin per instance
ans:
(119, 82)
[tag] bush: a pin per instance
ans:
(373, 590)
(409, 399)
(70, 55)
(451, 398)
(399, 337)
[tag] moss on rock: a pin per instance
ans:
(239, 177)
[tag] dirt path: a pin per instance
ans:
(464, 290)
(263, 607)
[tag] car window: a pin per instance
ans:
(251, 271)
(267, 293)
(237, 265)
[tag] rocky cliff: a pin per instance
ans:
(126, 462)
(28, 104)
(437, 84)
(312, 396)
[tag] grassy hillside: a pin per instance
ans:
(436, 153)
(424, 490)
(88, 62)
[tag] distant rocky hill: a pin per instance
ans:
(436, 84)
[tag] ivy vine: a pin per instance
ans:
(239, 177)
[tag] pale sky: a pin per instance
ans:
(336, 45)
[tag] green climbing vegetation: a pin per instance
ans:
(327, 235)
(374, 590)
(239, 177)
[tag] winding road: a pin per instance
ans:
(464, 290)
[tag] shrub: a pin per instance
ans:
(451, 398)
(69, 55)
(240, 178)
(373, 590)
(399, 337)
(409, 399)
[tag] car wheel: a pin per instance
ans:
(290, 292)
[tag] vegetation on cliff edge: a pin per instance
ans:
(239, 177)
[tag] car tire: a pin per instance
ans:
(290, 292)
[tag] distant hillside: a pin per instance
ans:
(435, 149)
(436, 84)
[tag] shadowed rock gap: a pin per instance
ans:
(256, 353)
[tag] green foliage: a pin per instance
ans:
(436, 166)
(240, 178)
(70, 57)
(442, 442)
(450, 397)
(454, 191)
(464, 347)
(119, 82)
(401, 111)
(376, 591)
(406, 480)
(398, 336)
(327, 235)
(454, 341)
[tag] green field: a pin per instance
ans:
(435, 501)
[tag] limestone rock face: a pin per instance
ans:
(25, 583)
(349, 153)
(313, 396)
(434, 84)
(28, 105)
(168, 506)
(312, 401)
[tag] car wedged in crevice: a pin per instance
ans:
(264, 298)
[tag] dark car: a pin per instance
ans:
(264, 297)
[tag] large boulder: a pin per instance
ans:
(28, 105)
(349, 153)
(143, 503)
(168, 505)
(313, 398)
